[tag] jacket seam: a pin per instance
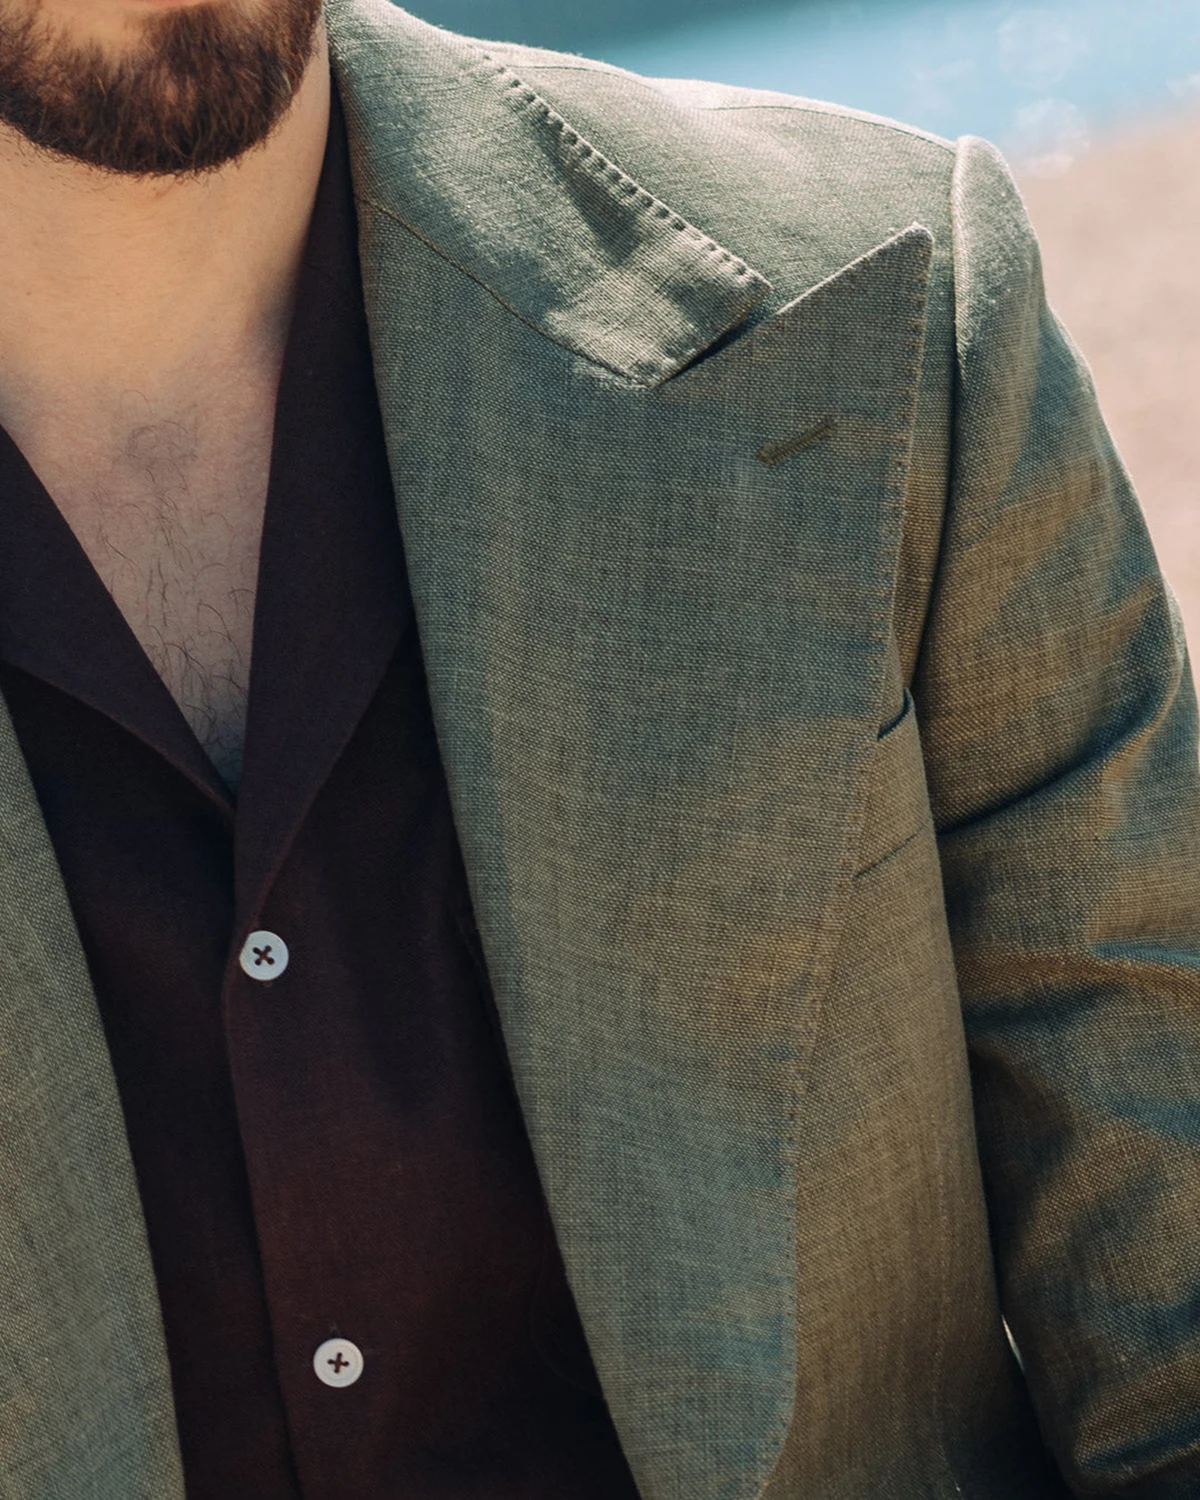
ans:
(897, 127)
(943, 1446)
(818, 107)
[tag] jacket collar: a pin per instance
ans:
(476, 164)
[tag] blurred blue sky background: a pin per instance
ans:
(1041, 81)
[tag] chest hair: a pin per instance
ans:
(172, 523)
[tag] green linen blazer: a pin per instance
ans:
(822, 746)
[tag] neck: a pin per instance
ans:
(169, 282)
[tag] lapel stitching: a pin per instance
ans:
(509, 192)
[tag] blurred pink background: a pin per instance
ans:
(1120, 233)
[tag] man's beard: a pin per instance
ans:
(203, 85)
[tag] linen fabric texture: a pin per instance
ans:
(822, 747)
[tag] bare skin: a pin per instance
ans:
(150, 239)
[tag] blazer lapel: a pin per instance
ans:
(85, 1394)
(653, 588)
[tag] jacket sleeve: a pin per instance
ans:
(1058, 721)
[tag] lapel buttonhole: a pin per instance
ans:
(775, 453)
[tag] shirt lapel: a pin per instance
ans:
(332, 600)
(59, 623)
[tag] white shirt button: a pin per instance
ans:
(338, 1362)
(264, 955)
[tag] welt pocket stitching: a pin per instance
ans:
(907, 709)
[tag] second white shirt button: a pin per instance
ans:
(338, 1362)
(264, 955)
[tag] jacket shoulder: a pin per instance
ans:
(694, 93)
(797, 186)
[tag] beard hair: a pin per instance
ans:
(205, 85)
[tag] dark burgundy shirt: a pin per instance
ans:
(336, 1152)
